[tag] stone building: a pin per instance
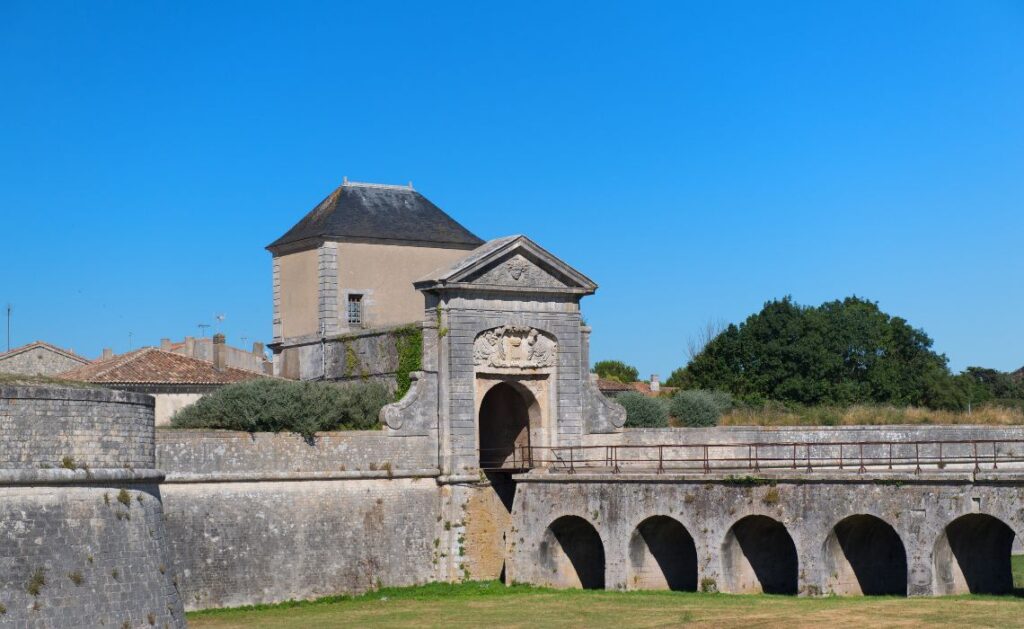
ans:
(349, 265)
(175, 381)
(40, 359)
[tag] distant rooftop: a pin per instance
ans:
(153, 366)
(43, 344)
(377, 213)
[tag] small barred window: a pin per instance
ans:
(355, 309)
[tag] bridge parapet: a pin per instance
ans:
(969, 455)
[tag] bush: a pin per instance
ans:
(643, 411)
(697, 407)
(270, 405)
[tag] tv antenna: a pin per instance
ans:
(202, 328)
(10, 310)
(220, 319)
(129, 341)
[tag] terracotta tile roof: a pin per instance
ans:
(43, 344)
(151, 365)
(613, 385)
(645, 388)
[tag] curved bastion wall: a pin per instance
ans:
(82, 540)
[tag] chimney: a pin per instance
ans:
(107, 353)
(257, 348)
(655, 383)
(220, 356)
(190, 346)
(165, 344)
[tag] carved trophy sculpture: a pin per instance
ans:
(514, 346)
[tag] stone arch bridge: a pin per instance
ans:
(784, 532)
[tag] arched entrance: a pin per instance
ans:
(572, 554)
(973, 556)
(662, 556)
(504, 427)
(865, 555)
(759, 556)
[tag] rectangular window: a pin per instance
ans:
(355, 310)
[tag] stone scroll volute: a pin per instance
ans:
(515, 346)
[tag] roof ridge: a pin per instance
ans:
(386, 186)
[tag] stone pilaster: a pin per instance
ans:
(276, 274)
(328, 288)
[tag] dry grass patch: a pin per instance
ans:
(869, 415)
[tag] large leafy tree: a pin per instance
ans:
(840, 352)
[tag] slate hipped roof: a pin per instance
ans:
(375, 213)
(150, 365)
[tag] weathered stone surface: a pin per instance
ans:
(263, 542)
(82, 547)
(744, 558)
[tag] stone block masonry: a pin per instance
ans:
(896, 533)
(82, 538)
(264, 518)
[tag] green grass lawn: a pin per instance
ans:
(492, 605)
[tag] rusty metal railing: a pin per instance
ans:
(860, 457)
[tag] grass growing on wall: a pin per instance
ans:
(491, 604)
(409, 345)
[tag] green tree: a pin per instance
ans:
(841, 352)
(616, 370)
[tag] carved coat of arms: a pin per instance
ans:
(514, 346)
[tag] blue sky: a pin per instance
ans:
(695, 159)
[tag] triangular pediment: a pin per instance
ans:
(513, 263)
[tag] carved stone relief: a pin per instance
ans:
(514, 346)
(518, 271)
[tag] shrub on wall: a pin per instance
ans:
(643, 411)
(697, 407)
(270, 405)
(409, 345)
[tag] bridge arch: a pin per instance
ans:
(758, 555)
(972, 556)
(864, 555)
(572, 554)
(662, 556)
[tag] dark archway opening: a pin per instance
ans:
(662, 556)
(866, 556)
(973, 555)
(572, 553)
(504, 428)
(759, 556)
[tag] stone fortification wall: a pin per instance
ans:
(264, 518)
(96, 428)
(207, 455)
(82, 540)
(357, 356)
